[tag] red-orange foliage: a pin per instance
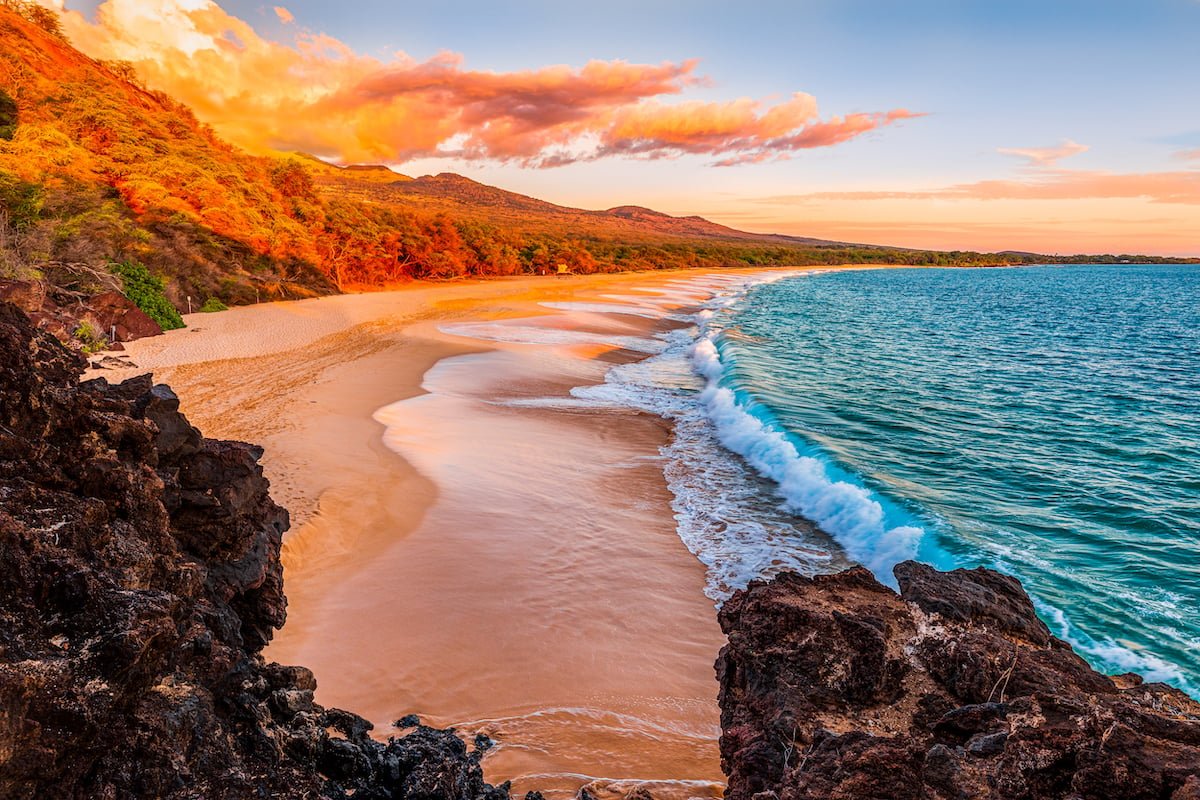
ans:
(118, 172)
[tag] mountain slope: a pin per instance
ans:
(97, 170)
(469, 199)
(111, 171)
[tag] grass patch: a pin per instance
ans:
(92, 340)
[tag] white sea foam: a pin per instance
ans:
(725, 512)
(846, 511)
(1112, 654)
(744, 516)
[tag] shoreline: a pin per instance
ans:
(920, 716)
(311, 393)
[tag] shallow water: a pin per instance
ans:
(544, 597)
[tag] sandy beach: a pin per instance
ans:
(463, 546)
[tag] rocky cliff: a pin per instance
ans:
(837, 687)
(139, 581)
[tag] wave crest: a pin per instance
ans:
(844, 510)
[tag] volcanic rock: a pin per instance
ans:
(139, 582)
(119, 319)
(110, 314)
(838, 688)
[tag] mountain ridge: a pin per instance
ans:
(468, 196)
(98, 170)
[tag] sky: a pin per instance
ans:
(1055, 126)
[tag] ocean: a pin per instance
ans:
(1041, 421)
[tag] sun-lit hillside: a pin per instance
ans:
(95, 169)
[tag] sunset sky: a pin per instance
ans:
(1055, 126)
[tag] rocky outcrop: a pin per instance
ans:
(117, 318)
(139, 581)
(837, 687)
(109, 314)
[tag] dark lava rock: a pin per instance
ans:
(139, 581)
(837, 688)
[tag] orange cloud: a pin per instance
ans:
(318, 95)
(1189, 155)
(1156, 187)
(737, 128)
(1046, 156)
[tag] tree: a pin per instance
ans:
(292, 179)
(41, 16)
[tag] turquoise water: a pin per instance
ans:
(1043, 421)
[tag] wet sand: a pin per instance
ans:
(463, 547)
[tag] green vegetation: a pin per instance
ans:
(213, 304)
(9, 117)
(146, 292)
(101, 171)
(93, 341)
(20, 202)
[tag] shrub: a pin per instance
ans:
(293, 179)
(213, 304)
(8, 116)
(146, 292)
(91, 339)
(20, 201)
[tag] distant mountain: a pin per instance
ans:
(453, 193)
(323, 170)
(699, 226)
(98, 170)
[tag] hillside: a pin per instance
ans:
(94, 168)
(468, 199)
(100, 175)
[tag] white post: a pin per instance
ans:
(189, 304)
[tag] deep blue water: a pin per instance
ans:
(1043, 421)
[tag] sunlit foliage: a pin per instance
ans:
(95, 170)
